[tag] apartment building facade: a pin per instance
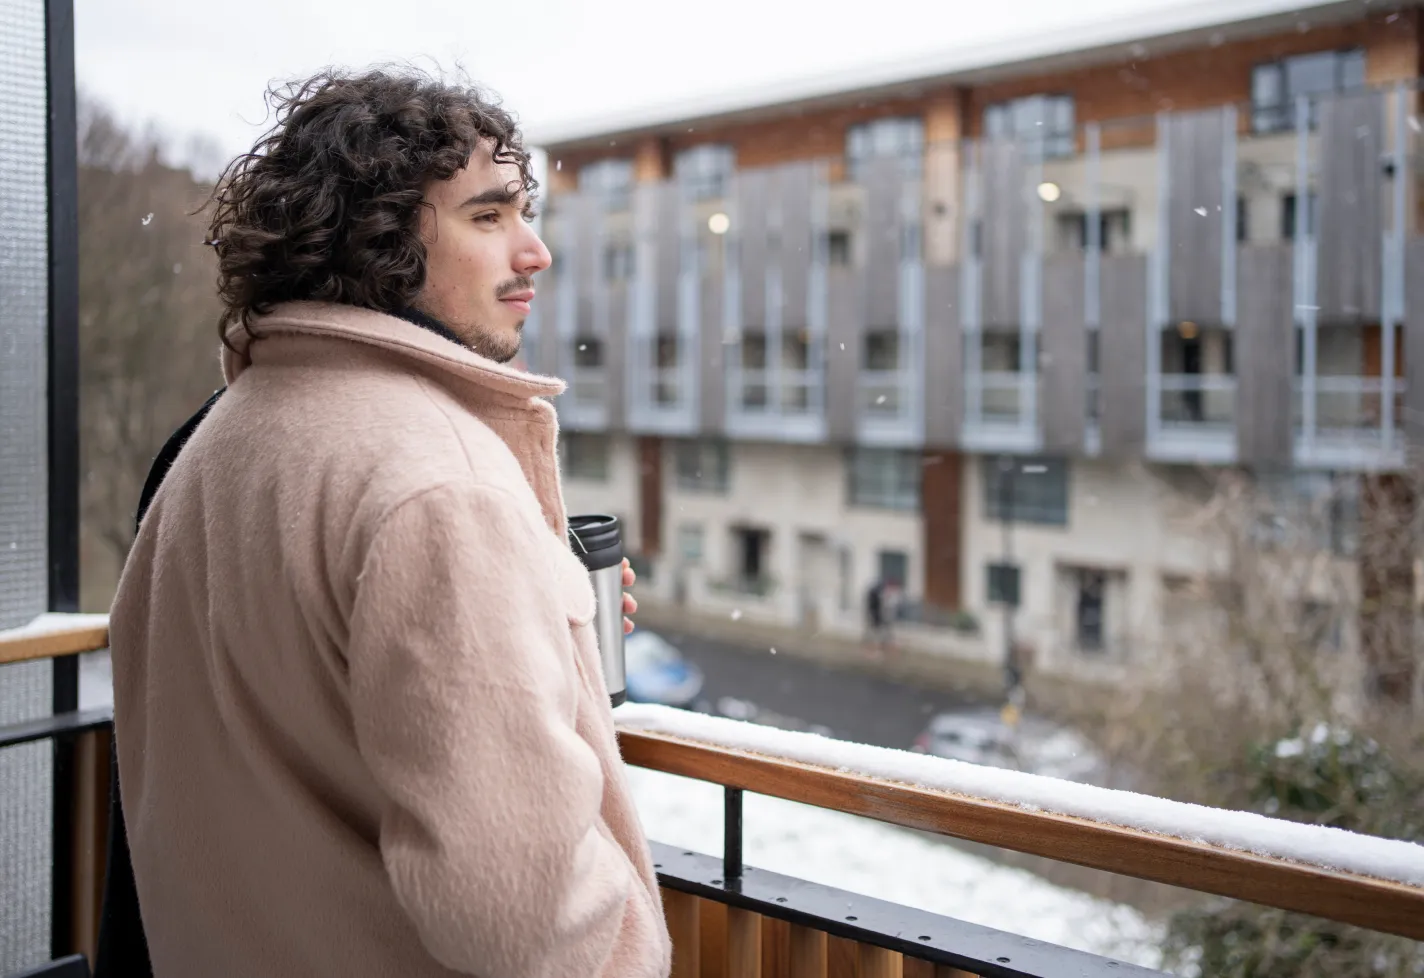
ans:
(979, 331)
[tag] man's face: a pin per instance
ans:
(481, 256)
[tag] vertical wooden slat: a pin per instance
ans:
(877, 962)
(918, 968)
(615, 357)
(708, 368)
(1264, 364)
(775, 948)
(91, 833)
(1196, 210)
(845, 326)
(808, 952)
(881, 181)
(842, 958)
(1413, 419)
(683, 920)
(743, 943)
(794, 186)
(1122, 356)
(752, 237)
(713, 920)
(944, 358)
(668, 256)
(1003, 230)
(1065, 356)
(1350, 210)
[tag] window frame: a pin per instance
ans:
(883, 478)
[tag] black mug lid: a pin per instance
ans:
(596, 539)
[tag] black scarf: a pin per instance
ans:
(426, 321)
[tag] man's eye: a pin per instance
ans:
(490, 218)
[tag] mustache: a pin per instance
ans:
(520, 283)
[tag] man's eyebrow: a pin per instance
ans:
(503, 196)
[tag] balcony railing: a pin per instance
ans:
(1198, 402)
(738, 920)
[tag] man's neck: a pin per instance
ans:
(426, 321)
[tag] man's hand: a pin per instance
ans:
(629, 605)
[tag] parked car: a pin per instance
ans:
(1034, 745)
(656, 671)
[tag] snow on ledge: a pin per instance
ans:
(52, 623)
(1313, 845)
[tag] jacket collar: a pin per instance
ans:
(378, 329)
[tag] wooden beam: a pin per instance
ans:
(743, 943)
(91, 837)
(52, 643)
(683, 918)
(808, 952)
(877, 962)
(1392, 908)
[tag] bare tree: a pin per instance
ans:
(147, 305)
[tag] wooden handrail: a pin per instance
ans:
(52, 642)
(1381, 905)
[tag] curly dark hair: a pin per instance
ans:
(327, 204)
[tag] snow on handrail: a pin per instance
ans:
(1259, 843)
(51, 635)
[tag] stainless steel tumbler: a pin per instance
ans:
(598, 542)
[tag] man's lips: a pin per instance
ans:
(519, 300)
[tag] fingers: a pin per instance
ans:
(630, 604)
(628, 626)
(629, 577)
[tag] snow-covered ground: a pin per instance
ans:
(883, 861)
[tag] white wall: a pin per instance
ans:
(1121, 518)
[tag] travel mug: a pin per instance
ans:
(598, 542)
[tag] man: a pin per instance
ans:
(360, 716)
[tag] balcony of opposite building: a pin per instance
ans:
(1081, 289)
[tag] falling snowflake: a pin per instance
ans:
(148, 219)
(178, 268)
(842, 346)
(558, 164)
(736, 614)
(1200, 211)
(880, 399)
(582, 347)
(773, 651)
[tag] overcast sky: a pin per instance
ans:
(198, 67)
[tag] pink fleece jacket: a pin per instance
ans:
(360, 716)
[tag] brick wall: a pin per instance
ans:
(1126, 90)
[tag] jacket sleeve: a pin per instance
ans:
(463, 699)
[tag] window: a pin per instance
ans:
(894, 566)
(881, 350)
(703, 466)
(1275, 86)
(1243, 216)
(1288, 216)
(1043, 124)
(618, 262)
(665, 380)
(689, 542)
(838, 248)
(1114, 231)
(884, 478)
(899, 137)
(610, 179)
(1092, 595)
(1003, 584)
(1029, 490)
(584, 456)
(703, 171)
(588, 351)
